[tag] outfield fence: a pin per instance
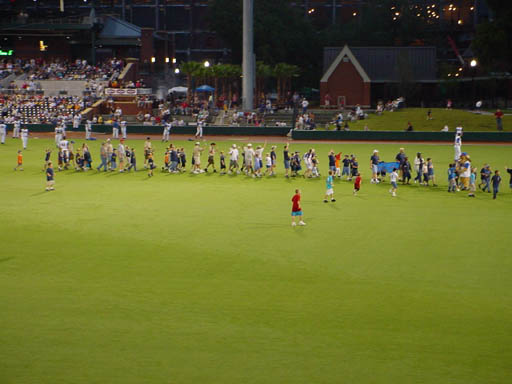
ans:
(503, 137)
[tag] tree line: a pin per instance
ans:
(226, 79)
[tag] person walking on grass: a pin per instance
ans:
(19, 161)
(211, 158)
(233, 160)
(472, 183)
(196, 158)
(374, 166)
(50, 182)
(329, 193)
(357, 183)
(148, 147)
(406, 171)
(297, 209)
(499, 116)
(485, 178)
(509, 171)
(418, 167)
(393, 177)
(496, 180)
(103, 157)
(286, 159)
(452, 178)
(3, 132)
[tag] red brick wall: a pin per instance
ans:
(346, 81)
(146, 45)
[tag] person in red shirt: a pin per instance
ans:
(357, 184)
(296, 209)
(499, 116)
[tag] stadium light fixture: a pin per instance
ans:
(206, 64)
(177, 71)
(473, 63)
(166, 59)
(174, 60)
(153, 59)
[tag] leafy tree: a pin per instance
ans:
(493, 41)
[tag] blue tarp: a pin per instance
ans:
(388, 167)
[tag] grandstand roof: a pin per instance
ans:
(114, 28)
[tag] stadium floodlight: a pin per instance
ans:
(473, 63)
(177, 71)
(206, 64)
(153, 59)
(166, 59)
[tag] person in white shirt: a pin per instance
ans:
(121, 154)
(63, 128)
(24, 137)
(305, 105)
(3, 132)
(233, 160)
(199, 130)
(457, 146)
(17, 129)
(123, 129)
(58, 135)
(115, 130)
(167, 131)
(249, 157)
(76, 121)
(88, 129)
(393, 178)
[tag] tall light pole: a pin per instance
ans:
(473, 63)
(248, 56)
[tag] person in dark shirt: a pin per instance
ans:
(496, 180)
(47, 158)
(332, 161)
(286, 159)
(410, 128)
(222, 163)
(374, 166)
(183, 158)
(485, 178)
(151, 164)
(400, 156)
(354, 166)
(50, 182)
(406, 171)
(133, 161)
(509, 171)
(346, 167)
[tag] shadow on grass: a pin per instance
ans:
(43, 192)
(3, 260)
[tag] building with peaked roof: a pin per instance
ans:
(361, 75)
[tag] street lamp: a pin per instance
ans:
(206, 64)
(177, 71)
(473, 63)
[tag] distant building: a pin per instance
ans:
(362, 75)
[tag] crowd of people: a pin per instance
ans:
(38, 109)
(262, 161)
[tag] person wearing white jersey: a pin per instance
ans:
(457, 145)
(88, 129)
(3, 132)
(58, 135)
(63, 128)
(76, 121)
(24, 137)
(115, 130)
(17, 129)
(64, 147)
(167, 131)
(199, 130)
(249, 157)
(233, 159)
(393, 178)
(123, 129)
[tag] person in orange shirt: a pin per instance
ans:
(337, 163)
(20, 161)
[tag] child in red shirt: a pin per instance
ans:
(296, 209)
(357, 184)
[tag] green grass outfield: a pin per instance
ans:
(397, 121)
(122, 279)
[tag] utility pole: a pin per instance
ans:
(248, 56)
